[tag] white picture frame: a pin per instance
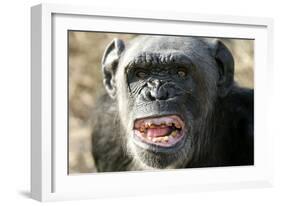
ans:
(49, 178)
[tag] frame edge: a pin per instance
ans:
(36, 137)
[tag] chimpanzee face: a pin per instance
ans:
(165, 88)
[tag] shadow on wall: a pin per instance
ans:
(85, 83)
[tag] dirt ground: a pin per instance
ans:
(85, 83)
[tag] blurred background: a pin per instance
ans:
(85, 84)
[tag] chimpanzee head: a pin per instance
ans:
(166, 88)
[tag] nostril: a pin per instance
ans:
(151, 97)
(148, 96)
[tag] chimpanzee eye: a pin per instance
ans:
(141, 74)
(182, 73)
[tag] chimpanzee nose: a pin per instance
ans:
(157, 91)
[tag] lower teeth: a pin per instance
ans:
(162, 139)
(159, 139)
(174, 133)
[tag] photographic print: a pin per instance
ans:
(152, 102)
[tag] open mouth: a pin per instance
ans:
(163, 131)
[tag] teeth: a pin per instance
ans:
(142, 129)
(174, 133)
(163, 139)
(162, 124)
(177, 125)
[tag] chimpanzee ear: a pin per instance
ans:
(110, 62)
(225, 63)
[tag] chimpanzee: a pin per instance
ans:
(171, 102)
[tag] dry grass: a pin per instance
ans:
(86, 50)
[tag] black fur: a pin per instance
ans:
(219, 113)
(232, 143)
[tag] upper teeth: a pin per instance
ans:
(166, 121)
(163, 124)
(177, 125)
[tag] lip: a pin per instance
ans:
(166, 131)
